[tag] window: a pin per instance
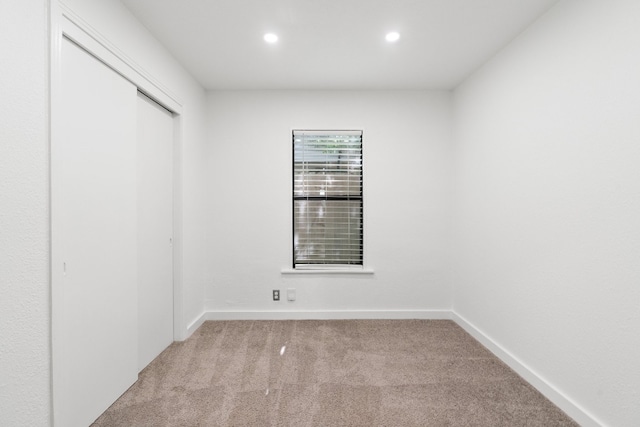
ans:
(327, 199)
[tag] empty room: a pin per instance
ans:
(320, 213)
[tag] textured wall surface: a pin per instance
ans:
(406, 149)
(548, 203)
(24, 216)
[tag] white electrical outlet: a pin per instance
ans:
(291, 294)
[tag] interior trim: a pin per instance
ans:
(571, 408)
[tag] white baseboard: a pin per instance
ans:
(327, 315)
(563, 402)
(193, 326)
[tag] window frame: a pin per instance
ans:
(326, 267)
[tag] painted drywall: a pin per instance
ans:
(547, 203)
(115, 23)
(406, 187)
(25, 398)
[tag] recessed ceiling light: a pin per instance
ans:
(270, 38)
(393, 37)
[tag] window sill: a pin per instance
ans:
(365, 271)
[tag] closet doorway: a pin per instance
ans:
(112, 235)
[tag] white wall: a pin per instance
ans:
(114, 22)
(406, 164)
(547, 204)
(24, 216)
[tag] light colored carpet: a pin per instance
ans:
(331, 373)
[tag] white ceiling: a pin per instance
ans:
(335, 44)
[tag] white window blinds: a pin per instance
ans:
(327, 199)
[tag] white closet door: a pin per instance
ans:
(96, 165)
(155, 227)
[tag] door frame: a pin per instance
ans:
(65, 23)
